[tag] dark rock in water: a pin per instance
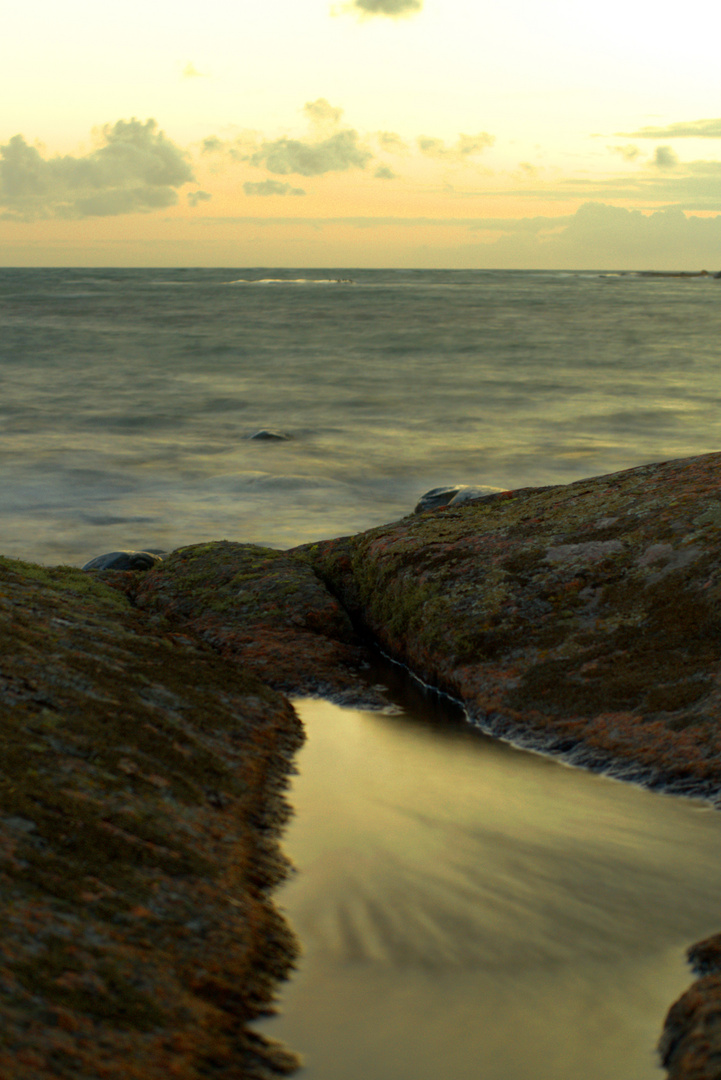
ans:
(446, 496)
(690, 1046)
(705, 956)
(270, 436)
(125, 560)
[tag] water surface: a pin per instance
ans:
(469, 910)
(127, 396)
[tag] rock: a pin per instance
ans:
(143, 761)
(140, 804)
(125, 560)
(270, 436)
(690, 1046)
(705, 956)
(452, 496)
(582, 619)
(262, 608)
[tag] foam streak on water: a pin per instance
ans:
(127, 396)
(470, 910)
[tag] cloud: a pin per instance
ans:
(664, 158)
(384, 173)
(271, 187)
(629, 152)
(136, 170)
(689, 129)
(306, 157)
(599, 236)
(391, 142)
(321, 113)
(466, 146)
(393, 8)
(196, 197)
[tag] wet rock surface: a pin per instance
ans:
(583, 619)
(690, 1046)
(259, 607)
(447, 496)
(125, 560)
(141, 795)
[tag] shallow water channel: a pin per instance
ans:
(469, 910)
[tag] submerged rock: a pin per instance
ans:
(270, 436)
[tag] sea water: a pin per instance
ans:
(128, 397)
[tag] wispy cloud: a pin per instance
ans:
(664, 158)
(137, 169)
(394, 9)
(611, 237)
(191, 72)
(197, 197)
(391, 142)
(685, 129)
(321, 113)
(465, 147)
(271, 187)
(329, 148)
(307, 157)
(629, 152)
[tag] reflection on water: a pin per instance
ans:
(468, 910)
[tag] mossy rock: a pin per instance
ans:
(582, 616)
(141, 795)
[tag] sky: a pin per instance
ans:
(360, 133)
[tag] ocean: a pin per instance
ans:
(128, 397)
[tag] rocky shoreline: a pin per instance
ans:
(582, 620)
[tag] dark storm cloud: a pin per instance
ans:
(136, 170)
